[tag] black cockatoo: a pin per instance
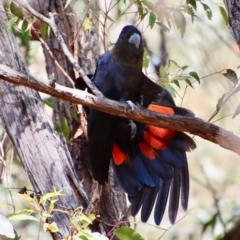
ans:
(150, 163)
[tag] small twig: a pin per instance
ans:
(10, 173)
(65, 23)
(50, 21)
(185, 90)
(175, 224)
(54, 59)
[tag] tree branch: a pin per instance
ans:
(193, 125)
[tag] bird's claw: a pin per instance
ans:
(131, 104)
(133, 127)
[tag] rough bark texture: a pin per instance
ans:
(86, 50)
(80, 189)
(44, 155)
(233, 9)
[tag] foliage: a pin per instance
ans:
(41, 208)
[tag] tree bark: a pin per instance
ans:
(87, 56)
(233, 9)
(44, 155)
(54, 163)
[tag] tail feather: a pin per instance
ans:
(184, 183)
(137, 201)
(182, 142)
(161, 201)
(174, 197)
(148, 203)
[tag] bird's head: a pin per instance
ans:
(129, 46)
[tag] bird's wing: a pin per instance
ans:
(152, 167)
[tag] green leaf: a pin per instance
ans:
(148, 4)
(109, 18)
(162, 26)
(24, 26)
(180, 21)
(140, 9)
(25, 32)
(184, 67)
(45, 197)
(224, 14)
(174, 62)
(65, 128)
(176, 82)
(195, 75)
(190, 11)
(22, 217)
(86, 24)
(171, 90)
(11, 22)
(48, 103)
(181, 77)
(210, 223)
(192, 3)
(52, 227)
(208, 10)
(83, 237)
(163, 73)
(16, 10)
(231, 75)
(44, 30)
(6, 227)
(74, 115)
(189, 83)
(152, 19)
(145, 59)
(126, 233)
(25, 211)
(51, 205)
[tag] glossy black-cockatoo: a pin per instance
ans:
(149, 162)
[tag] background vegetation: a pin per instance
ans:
(197, 39)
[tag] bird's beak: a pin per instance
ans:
(135, 39)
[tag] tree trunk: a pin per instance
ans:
(27, 124)
(44, 155)
(233, 9)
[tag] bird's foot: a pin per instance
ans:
(133, 127)
(131, 104)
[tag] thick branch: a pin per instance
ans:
(192, 125)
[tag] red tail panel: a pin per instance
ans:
(147, 151)
(118, 156)
(161, 132)
(161, 109)
(153, 142)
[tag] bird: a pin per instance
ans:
(150, 163)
